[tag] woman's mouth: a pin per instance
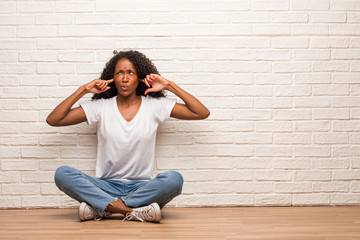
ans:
(124, 88)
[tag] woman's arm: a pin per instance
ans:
(193, 109)
(63, 115)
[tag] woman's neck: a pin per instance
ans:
(129, 100)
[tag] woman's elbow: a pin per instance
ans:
(205, 115)
(50, 122)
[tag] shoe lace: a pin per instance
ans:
(139, 215)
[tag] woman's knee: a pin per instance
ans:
(62, 173)
(174, 179)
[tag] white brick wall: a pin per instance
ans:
(281, 78)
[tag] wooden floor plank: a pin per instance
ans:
(238, 223)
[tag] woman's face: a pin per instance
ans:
(125, 77)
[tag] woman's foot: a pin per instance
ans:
(150, 213)
(86, 212)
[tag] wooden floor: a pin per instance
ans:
(280, 223)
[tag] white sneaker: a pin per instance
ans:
(86, 212)
(150, 213)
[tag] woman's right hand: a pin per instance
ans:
(98, 85)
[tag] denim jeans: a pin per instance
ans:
(98, 193)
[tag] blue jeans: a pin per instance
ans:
(99, 193)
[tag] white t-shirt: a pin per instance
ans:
(126, 150)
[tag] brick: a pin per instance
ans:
(232, 5)
(7, 7)
(9, 201)
(354, 113)
(353, 17)
(292, 114)
(97, 19)
(53, 44)
(330, 90)
(259, 91)
(233, 126)
(272, 5)
(355, 187)
(272, 55)
(330, 187)
(311, 199)
(245, 187)
(346, 101)
(257, 163)
(252, 138)
(344, 29)
(280, 102)
(49, 189)
(211, 139)
(329, 42)
(324, 17)
(39, 152)
(290, 138)
(74, 7)
(273, 175)
(36, 31)
(53, 164)
(346, 175)
(37, 177)
(271, 29)
(57, 140)
(37, 201)
(331, 138)
(233, 102)
(312, 175)
(345, 199)
(290, 42)
(291, 163)
(55, 68)
(11, 104)
(246, 67)
(234, 151)
(252, 42)
(9, 128)
(277, 126)
(252, 115)
(9, 177)
(234, 175)
(213, 163)
(273, 151)
(227, 187)
(83, 152)
(300, 55)
(21, 189)
(288, 67)
(20, 165)
(223, 55)
(75, 31)
(344, 5)
(175, 164)
(250, 17)
(330, 163)
(309, 29)
(310, 5)
(43, 56)
(17, 68)
(78, 56)
(17, 116)
(330, 114)
(37, 7)
(272, 200)
(311, 151)
(63, 19)
(292, 91)
(289, 17)
(312, 102)
(272, 79)
(18, 140)
(293, 188)
(198, 176)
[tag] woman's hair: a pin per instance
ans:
(143, 67)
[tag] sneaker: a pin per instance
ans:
(150, 213)
(86, 212)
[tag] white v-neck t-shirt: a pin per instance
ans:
(126, 150)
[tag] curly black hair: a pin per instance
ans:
(143, 67)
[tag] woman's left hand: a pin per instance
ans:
(156, 82)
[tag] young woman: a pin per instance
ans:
(127, 106)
